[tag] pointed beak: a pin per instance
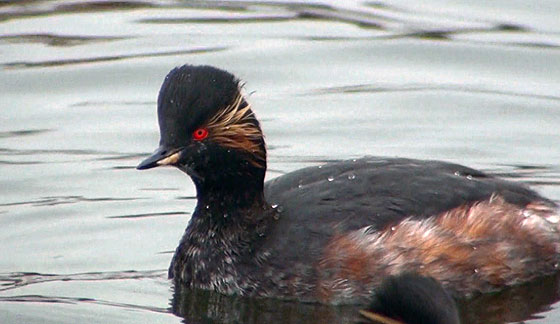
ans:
(162, 156)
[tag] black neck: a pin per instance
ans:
(233, 211)
(231, 215)
(231, 193)
(227, 196)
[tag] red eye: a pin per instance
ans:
(200, 134)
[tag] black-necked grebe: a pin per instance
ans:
(411, 299)
(332, 233)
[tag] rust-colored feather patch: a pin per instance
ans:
(235, 127)
(477, 247)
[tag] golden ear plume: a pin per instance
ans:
(232, 128)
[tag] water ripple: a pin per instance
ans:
(224, 19)
(17, 152)
(145, 215)
(85, 60)
(4, 162)
(24, 132)
(97, 103)
(56, 40)
(61, 200)
(372, 88)
(76, 300)
(14, 280)
(541, 175)
(15, 12)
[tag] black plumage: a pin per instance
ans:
(250, 238)
(412, 299)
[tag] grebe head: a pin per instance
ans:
(208, 130)
(411, 299)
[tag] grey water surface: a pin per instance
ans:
(85, 238)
